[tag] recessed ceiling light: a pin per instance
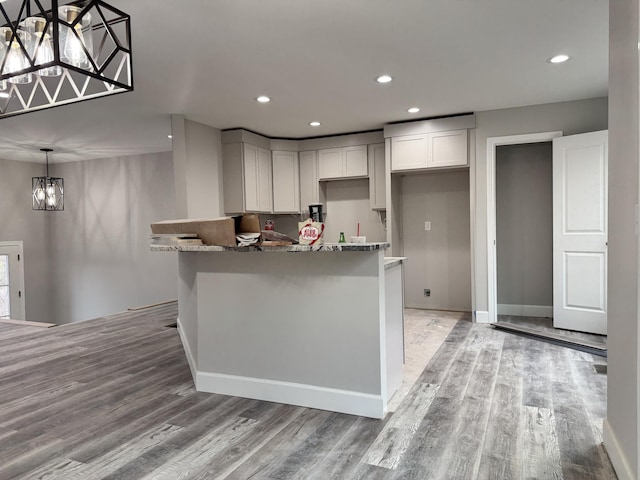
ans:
(384, 79)
(413, 110)
(169, 136)
(558, 59)
(4, 95)
(314, 124)
(263, 99)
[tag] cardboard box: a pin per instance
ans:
(212, 231)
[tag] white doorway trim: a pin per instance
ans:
(492, 144)
(17, 246)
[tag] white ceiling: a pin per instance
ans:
(317, 60)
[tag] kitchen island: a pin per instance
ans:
(319, 326)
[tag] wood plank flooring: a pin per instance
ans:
(113, 398)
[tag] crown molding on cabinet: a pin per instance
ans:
(428, 126)
(278, 144)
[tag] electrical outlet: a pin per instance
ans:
(427, 292)
(427, 226)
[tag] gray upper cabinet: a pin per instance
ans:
(430, 150)
(286, 182)
(342, 162)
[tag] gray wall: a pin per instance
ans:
(348, 204)
(438, 259)
(621, 426)
(197, 166)
(524, 224)
(579, 116)
(100, 258)
(19, 222)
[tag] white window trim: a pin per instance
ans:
(20, 279)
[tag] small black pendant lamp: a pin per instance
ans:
(48, 192)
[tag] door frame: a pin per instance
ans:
(492, 276)
(20, 280)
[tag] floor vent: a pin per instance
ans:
(600, 369)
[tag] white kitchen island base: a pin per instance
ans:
(319, 329)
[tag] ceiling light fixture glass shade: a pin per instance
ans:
(53, 54)
(15, 59)
(48, 192)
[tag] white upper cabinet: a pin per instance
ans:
(251, 181)
(330, 163)
(409, 152)
(286, 182)
(448, 149)
(429, 150)
(265, 195)
(355, 161)
(247, 178)
(309, 185)
(343, 162)
(257, 179)
(377, 177)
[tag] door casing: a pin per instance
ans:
(492, 277)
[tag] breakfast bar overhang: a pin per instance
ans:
(317, 326)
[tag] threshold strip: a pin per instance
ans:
(553, 338)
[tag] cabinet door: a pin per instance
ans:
(355, 161)
(448, 149)
(265, 197)
(330, 162)
(409, 152)
(286, 182)
(377, 177)
(233, 177)
(251, 192)
(309, 186)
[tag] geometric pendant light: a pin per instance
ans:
(48, 192)
(54, 55)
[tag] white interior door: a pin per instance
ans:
(580, 232)
(11, 282)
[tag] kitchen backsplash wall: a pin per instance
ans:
(347, 204)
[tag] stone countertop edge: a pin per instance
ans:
(390, 262)
(325, 247)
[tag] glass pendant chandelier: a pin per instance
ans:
(48, 192)
(53, 54)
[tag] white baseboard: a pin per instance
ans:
(187, 351)
(343, 401)
(616, 455)
(481, 316)
(525, 310)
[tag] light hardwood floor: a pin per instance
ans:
(112, 398)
